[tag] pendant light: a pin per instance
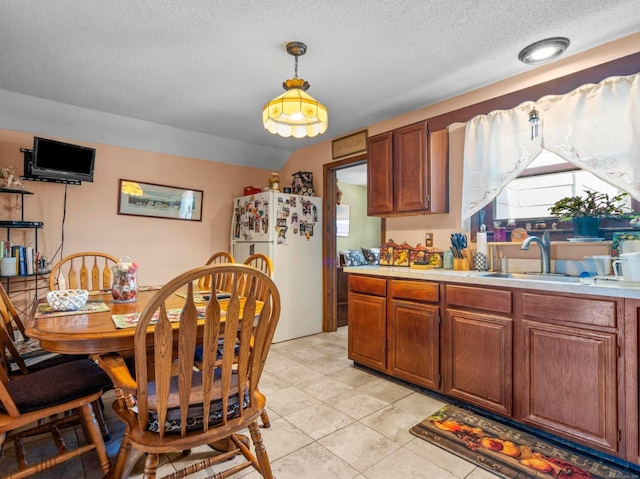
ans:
(295, 112)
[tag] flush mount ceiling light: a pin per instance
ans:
(543, 51)
(295, 112)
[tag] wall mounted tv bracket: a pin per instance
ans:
(28, 163)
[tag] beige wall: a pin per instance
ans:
(162, 247)
(412, 229)
(364, 231)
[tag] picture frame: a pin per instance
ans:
(138, 198)
(349, 145)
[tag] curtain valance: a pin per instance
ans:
(596, 127)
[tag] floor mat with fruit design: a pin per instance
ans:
(509, 452)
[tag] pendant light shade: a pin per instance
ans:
(295, 112)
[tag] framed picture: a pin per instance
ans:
(159, 201)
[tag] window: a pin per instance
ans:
(547, 179)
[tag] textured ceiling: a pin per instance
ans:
(210, 66)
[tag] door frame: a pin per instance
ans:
(329, 252)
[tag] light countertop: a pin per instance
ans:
(591, 286)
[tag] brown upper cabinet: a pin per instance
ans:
(408, 172)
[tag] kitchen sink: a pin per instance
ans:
(534, 277)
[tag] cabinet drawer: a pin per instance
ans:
(480, 298)
(595, 312)
(367, 285)
(414, 290)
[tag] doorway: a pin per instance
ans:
(332, 171)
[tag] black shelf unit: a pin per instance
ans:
(22, 224)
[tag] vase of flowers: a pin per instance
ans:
(585, 212)
(125, 281)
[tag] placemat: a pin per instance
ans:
(130, 320)
(91, 306)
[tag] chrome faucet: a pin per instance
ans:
(545, 249)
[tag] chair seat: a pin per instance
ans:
(57, 385)
(195, 416)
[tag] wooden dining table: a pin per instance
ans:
(94, 332)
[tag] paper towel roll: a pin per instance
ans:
(481, 243)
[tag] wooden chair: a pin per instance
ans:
(217, 258)
(89, 270)
(185, 407)
(11, 318)
(261, 262)
(42, 398)
(18, 350)
(15, 363)
(264, 264)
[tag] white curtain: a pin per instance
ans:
(596, 127)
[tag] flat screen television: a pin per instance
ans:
(56, 160)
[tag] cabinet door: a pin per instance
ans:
(631, 424)
(410, 168)
(480, 355)
(414, 348)
(569, 384)
(367, 330)
(380, 174)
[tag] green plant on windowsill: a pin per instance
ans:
(593, 204)
(585, 212)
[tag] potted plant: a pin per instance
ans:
(586, 211)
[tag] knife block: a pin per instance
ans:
(464, 263)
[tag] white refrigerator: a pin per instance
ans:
(288, 229)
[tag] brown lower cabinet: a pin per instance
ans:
(414, 332)
(479, 352)
(569, 377)
(563, 363)
(367, 341)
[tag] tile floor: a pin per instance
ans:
(328, 420)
